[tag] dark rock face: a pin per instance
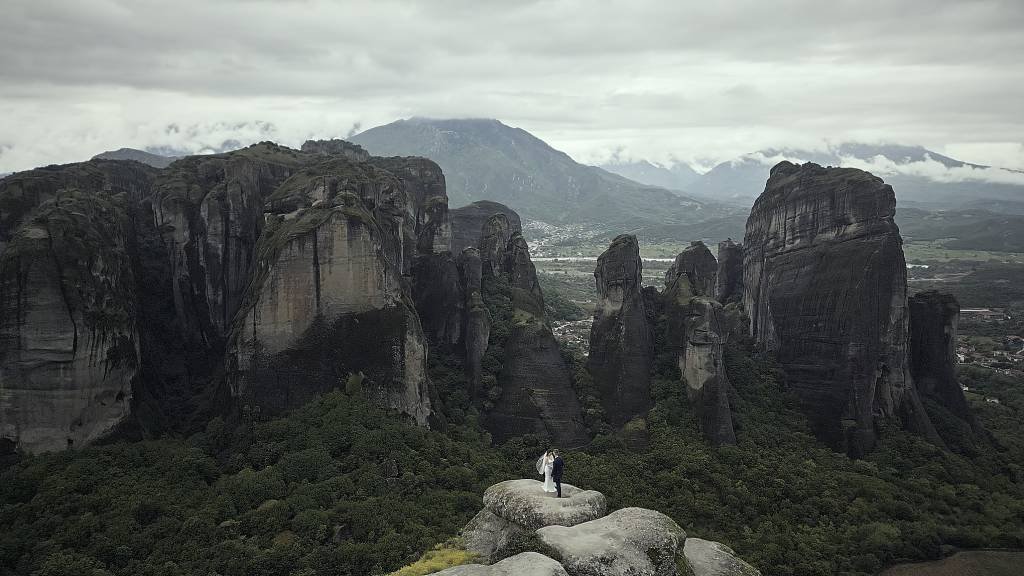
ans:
(825, 287)
(494, 239)
(696, 330)
(477, 324)
(621, 342)
(69, 342)
(467, 221)
(729, 286)
(150, 300)
(522, 276)
(933, 325)
(697, 268)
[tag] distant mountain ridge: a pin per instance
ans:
(917, 175)
(675, 177)
(154, 160)
(483, 159)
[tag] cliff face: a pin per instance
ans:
(621, 342)
(825, 287)
(467, 221)
(729, 285)
(153, 299)
(696, 330)
(68, 340)
(532, 392)
(933, 324)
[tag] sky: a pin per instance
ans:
(699, 82)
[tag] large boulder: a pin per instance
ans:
(630, 541)
(826, 289)
(525, 503)
(621, 339)
(524, 564)
(708, 558)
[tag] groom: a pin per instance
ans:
(557, 467)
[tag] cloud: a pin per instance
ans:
(660, 80)
(934, 170)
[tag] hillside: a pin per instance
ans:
(677, 177)
(154, 160)
(486, 160)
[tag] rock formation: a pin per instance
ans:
(729, 285)
(525, 564)
(467, 221)
(621, 342)
(697, 267)
(532, 392)
(696, 331)
(825, 287)
(933, 325)
(575, 533)
(146, 299)
(69, 346)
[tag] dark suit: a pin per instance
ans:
(557, 467)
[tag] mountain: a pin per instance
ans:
(486, 160)
(154, 160)
(918, 175)
(677, 177)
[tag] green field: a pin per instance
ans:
(934, 250)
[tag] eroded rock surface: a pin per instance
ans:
(466, 222)
(697, 268)
(621, 341)
(825, 287)
(708, 558)
(145, 298)
(525, 503)
(525, 564)
(630, 541)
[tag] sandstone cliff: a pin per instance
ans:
(933, 325)
(467, 221)
(729, 285)
(621, 342)
(825, 287)
(696, 331)
(69, 347)
(531, 390)
(152, 299)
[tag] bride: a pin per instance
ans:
(544, 466)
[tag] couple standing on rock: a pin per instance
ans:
(551, 465)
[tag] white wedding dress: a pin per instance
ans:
(544, 466)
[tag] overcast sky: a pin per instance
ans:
(699, 81)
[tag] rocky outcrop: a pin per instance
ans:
(532, 392)
(933, 324)
(696, 330)
(621, 342)
(729, 284)
(708, 558)
(825, 287)
(468, 220)
(575, 533)
(525, 564)
(152, 299)
(696, 268)
(627, 541)
(69, 346)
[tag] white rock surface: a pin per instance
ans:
(525, 503)
(709, 558)
(525, 564)
(631, 541)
